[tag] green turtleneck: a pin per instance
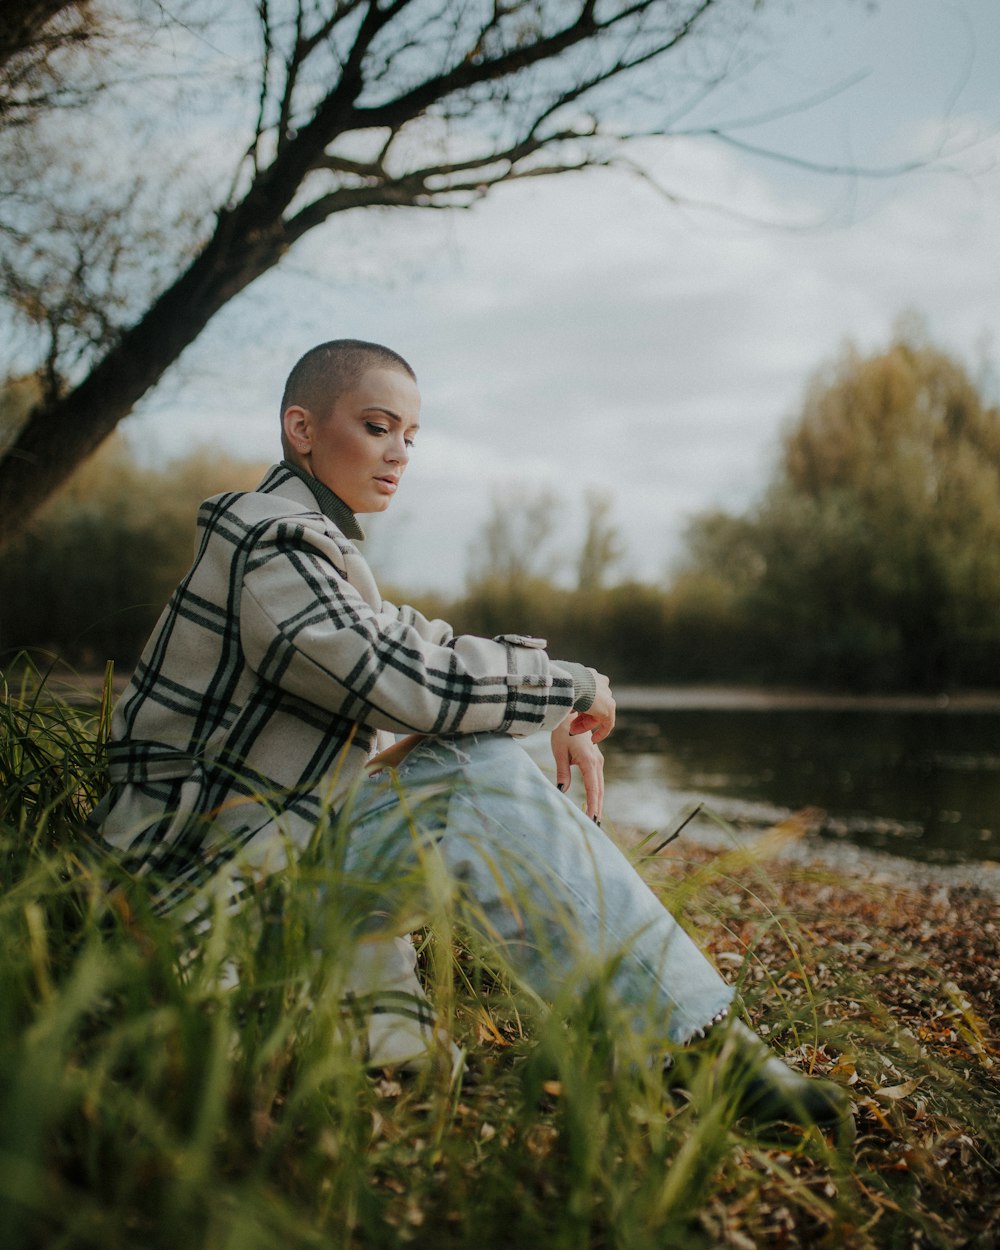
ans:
(330, 505)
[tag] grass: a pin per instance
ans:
(141, 1104)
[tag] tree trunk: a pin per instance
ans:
(57, 436)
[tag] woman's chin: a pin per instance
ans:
(372, 505)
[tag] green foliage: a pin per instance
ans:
(52, 767)
(142, 1103)
(90, 577)
(623, 630)
(873, 559)
(602, 546)
(511, 548)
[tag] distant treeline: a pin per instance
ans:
(871, 561)
(90, 577)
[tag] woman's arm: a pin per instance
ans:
(434, 630)
(306, 629)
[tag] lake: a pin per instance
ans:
(915, 777)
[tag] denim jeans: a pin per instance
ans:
(543, 888)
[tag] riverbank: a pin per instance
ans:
(861, 948)
(795, 845)
(941, 928)
(70, 684)
(767, 699)
(244, 1116)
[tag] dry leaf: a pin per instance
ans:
(844, 1071)
(487, 1031)
(892, 1093)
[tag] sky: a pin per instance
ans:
(587, 333)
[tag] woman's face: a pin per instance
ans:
(362, 446)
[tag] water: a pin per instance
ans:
(915, 777)
(904, 777)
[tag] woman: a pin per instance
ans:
(255, 710)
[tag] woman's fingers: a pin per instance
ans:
(587, 722)
(571, 749)
(593, 782)
(599, 718)
(585, 755)
(560, 753)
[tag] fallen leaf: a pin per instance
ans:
(844, 1071)
(487, 1031)
(892, 1093)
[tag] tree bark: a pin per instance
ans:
(57, 436)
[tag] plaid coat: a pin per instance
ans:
(257, 699)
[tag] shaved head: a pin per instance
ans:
(325, 372)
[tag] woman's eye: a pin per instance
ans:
(376, 429)
(409, 441)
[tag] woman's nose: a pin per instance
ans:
(398, 451)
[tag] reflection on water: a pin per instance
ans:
(922, 784)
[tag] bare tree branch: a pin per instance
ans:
(267, 57)
(472, 72)
(340, 115)
(815, 167)
(36, 39)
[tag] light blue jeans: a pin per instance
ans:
(539, 883)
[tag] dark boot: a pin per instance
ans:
(766, 1090)
(775, 1092)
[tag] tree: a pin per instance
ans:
(874, 556)
(39, 40)
(602, 546)
(510, 549)
(74, 251)
(355, 104)
(18, 395)
(104, 554)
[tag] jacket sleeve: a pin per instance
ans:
(305, 629)
(430, 630)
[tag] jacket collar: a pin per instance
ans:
(289, 479)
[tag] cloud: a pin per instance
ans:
(583, 331)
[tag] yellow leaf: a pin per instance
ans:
(487, 1031)
(844, 1071)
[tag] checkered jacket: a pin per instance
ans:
(257, 699)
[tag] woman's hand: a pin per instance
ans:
(599, 718)
(571, 748)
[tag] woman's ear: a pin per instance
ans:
(297, 424)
